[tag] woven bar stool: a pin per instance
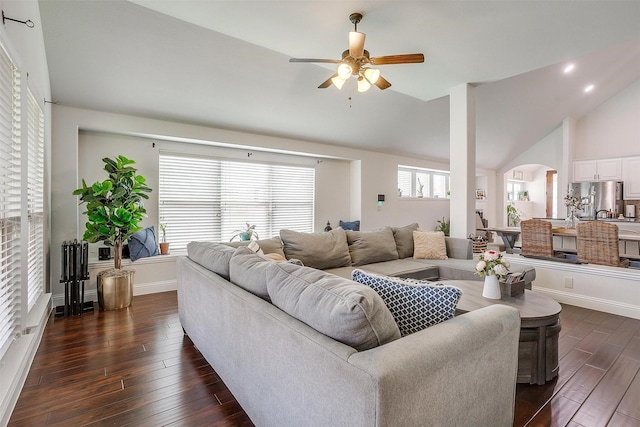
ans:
(537, 238)
(598, 243)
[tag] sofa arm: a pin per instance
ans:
(469, 362)
(458, 248)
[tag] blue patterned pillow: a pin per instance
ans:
(350, 225)
(414, 306)
(143, 244)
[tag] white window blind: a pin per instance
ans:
(209, 199)
(10, 193)
(35, 199)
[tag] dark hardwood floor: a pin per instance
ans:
(136, 367)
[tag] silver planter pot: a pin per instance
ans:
(115, 288)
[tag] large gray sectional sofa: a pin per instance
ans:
(299, 346)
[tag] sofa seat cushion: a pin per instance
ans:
(413, 306)
(346, 311)
(405, 268)
(366, 247)
(404, 239)
(317, 250)
(212, 256)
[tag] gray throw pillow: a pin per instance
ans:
(367, 247)
(346, 311)
(404, 239)
(248, 270)
(322, 251)
(213, 256)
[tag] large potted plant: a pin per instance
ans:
(114, 209)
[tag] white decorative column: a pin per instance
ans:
(462, 152)
(565, 176)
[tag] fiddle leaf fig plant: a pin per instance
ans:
(114, 206)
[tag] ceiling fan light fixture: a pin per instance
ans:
(338, 81)
(372, 75)
(356, 44)
(363, 84)
(344, 71)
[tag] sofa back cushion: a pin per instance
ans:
(459, 248)
(404, 239)
(213, 256)
(367, 247)
(415, 305)
(346, 311)
(317, 250)
(248, 270)
(268, 246)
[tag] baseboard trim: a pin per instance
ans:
(138, 289)
(599, 304)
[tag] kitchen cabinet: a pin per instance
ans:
(631, 178)
(597, 170)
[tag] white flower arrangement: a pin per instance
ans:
(492, 263)
(575, 202)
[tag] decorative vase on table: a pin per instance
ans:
(491, 287)
(570, 221)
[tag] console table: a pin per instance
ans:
(509, 236)
(539, 329)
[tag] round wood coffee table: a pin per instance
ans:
(539, 328)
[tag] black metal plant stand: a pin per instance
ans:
(75, 270)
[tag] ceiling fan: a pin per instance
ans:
(356, 62)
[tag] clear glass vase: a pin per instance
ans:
(570, 221)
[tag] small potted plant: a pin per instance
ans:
(444, 226)
(513, 216)
(248, 233)
(420, 187)
(164, 246)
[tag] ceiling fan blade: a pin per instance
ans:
(325, 84)
(356, 44)
(329, 61)
(411, 58)
(382, 83)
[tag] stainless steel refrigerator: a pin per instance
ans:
(602, 197)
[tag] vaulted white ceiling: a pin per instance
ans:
(225, 64)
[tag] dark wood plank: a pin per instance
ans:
(556, 413)
(630, 404)
(83, 363)
(603, 401)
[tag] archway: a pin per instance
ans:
(531, 192)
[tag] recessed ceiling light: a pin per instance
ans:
(569, 68)
(589, 88)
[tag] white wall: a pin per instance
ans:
(547, 152)
(612, 129)
(332, 175)
(348, 180)
(26, 47)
